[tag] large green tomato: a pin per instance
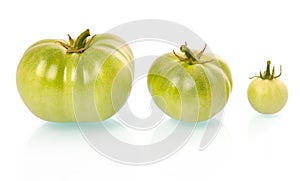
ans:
(267, 94)
(193, 86)
(87, 79)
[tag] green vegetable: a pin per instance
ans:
(61, 81)
(266, 93)
(192, 86)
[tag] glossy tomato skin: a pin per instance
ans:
(267, 96)
(85, 86)
(190, 92)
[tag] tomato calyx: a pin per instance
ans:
(189, 56)
(79, 45)
(268, 74)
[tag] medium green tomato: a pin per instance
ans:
(266, 93)
(191, 87)
(87, 79)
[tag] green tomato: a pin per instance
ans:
(266, 93)
(191, 87)
(87, 79)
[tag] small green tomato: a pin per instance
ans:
(190, 86)
(266, 93)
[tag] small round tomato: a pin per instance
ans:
(190, 86)
(86, 79)
(266, 93)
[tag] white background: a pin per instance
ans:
(246, 34)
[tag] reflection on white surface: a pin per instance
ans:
(53, 150)
(58, 139)
(262, 125)
(68, 135)
(222, 137)
(59, 151)
(265, 137)
(55, 137)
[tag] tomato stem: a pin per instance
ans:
(267, 74)
(81, 40)
(71, 41)
(190, 57)
(79, 45)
